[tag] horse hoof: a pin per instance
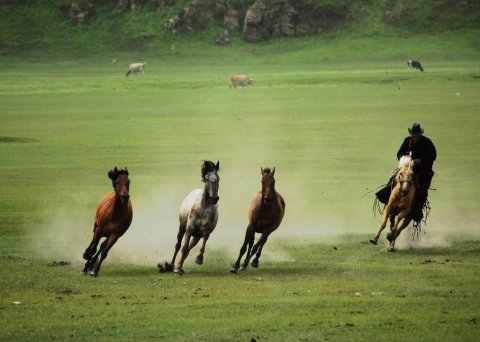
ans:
(94, 274)
(255, 263)
(199, 260)
(165, 267)
(373, 241)
(234, 270)
(179, 271)
(243, 268)
(391, 249)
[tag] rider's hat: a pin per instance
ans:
(415, 130)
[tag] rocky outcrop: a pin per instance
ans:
(231, 20)
(257, 19)
(266, 19)
(79, 14)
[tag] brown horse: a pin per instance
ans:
(113, 217)
(265, 215)
(400, 203)
(198, 218)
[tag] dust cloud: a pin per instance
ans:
(152, 236)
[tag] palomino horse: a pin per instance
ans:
(265, 215)
(198, 217)
(113, 217)
(400, 203)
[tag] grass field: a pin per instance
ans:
(329, 115)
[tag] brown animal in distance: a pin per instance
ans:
(113, 217)
(240, 80)
(265, 215)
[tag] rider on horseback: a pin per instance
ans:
(423, 154)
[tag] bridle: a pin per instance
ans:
(409, 180)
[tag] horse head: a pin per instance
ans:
(405, 175)
(211, 179)
(268, 185)
(121, 183)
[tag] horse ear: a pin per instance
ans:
(218, 165)
(273, 171)
(111, 174)
(261, 170)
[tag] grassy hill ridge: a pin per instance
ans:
(106, 25)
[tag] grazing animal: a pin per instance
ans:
(415, 65)
(198, 217)
(136, 67)
(113, 217)
(400, 203)
(240, 80)
(264, 215)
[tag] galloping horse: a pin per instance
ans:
(113, 217)
(265, 215)
(198, 217)
(400, 203)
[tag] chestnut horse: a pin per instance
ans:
(400, 203)
(113, 217)
(265, 215)
(198, 217)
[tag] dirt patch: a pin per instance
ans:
(15, 140)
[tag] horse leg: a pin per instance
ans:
(87, 255)
(393, 235)
(185, 250)
(392, 222)
(168, 267)
(386, 213)
(90, 253)
(249, 251)
(249, 234)
(398, 230)
(104, 248)
(390, 235)
(93, 261)
(254, 250)
(263, 240)
(199, 258)
(180, 234)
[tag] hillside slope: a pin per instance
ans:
(137, 24)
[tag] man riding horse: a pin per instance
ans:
(423, 154)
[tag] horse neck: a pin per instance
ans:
(275, 202)
(205, 196)
(117, 203)
(273, 192)
(274, 195)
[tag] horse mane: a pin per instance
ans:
(114, 173)
(405, 160)
(208, 166)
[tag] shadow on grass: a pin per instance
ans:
(15, 140)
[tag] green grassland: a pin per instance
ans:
(329, 113)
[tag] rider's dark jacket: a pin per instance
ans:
(423, 150)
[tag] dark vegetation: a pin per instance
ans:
(103, 25)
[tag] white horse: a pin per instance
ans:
(198, 217)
